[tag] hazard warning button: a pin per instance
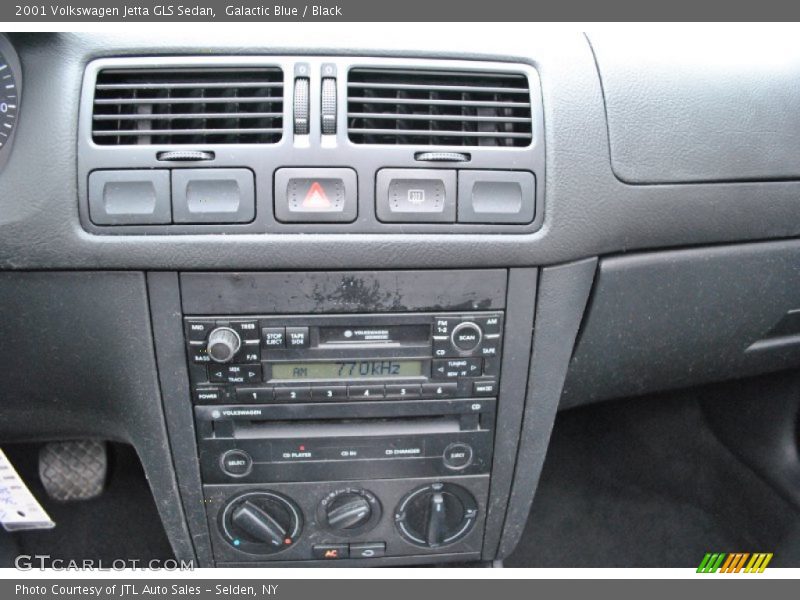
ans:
(315, 195)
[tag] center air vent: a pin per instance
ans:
(448, 108)
(188, 106)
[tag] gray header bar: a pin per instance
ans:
(405, 10)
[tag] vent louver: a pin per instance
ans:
(450, 108)
(188, 106)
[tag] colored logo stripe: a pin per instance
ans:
(734, 562)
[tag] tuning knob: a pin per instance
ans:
(223, 344)
(261, 522)
(436, 515)
(349, 511)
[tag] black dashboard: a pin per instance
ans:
(334, 297)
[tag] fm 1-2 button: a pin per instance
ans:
(457, 456)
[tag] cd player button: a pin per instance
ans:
(365, 392)
(457, 456)
(441, 346)
(439, 390)
(273, 337)
(297, 337)
(401, 390)
(293, 394)
(330, 392)
(236, 463)
(254, 395)
(484, 388)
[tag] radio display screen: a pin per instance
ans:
(347, 369)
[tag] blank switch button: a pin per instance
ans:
(213, 196)
(134, 197)
(496, 197)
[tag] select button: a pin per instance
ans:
(236, 463)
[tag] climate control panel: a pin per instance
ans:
(357, 520)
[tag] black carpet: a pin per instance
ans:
(644, 483)
(121, 523)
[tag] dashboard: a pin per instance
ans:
(335, 296)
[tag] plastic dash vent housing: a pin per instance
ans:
(438, 107)
(241, 105)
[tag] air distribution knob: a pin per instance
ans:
(223, 344)
(261, 522)
(349, 511)
(438, 514)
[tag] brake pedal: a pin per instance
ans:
(74, 470)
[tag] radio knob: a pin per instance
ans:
(466, 336)
(223, 344)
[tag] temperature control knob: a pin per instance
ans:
(223, 344)
(349, 511)
(261, 522)
(436, 515)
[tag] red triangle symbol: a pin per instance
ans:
(316, 197)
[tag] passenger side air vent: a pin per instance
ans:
(188, 106)
(448, 108)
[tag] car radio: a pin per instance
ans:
(345, 435)
(335, 358)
